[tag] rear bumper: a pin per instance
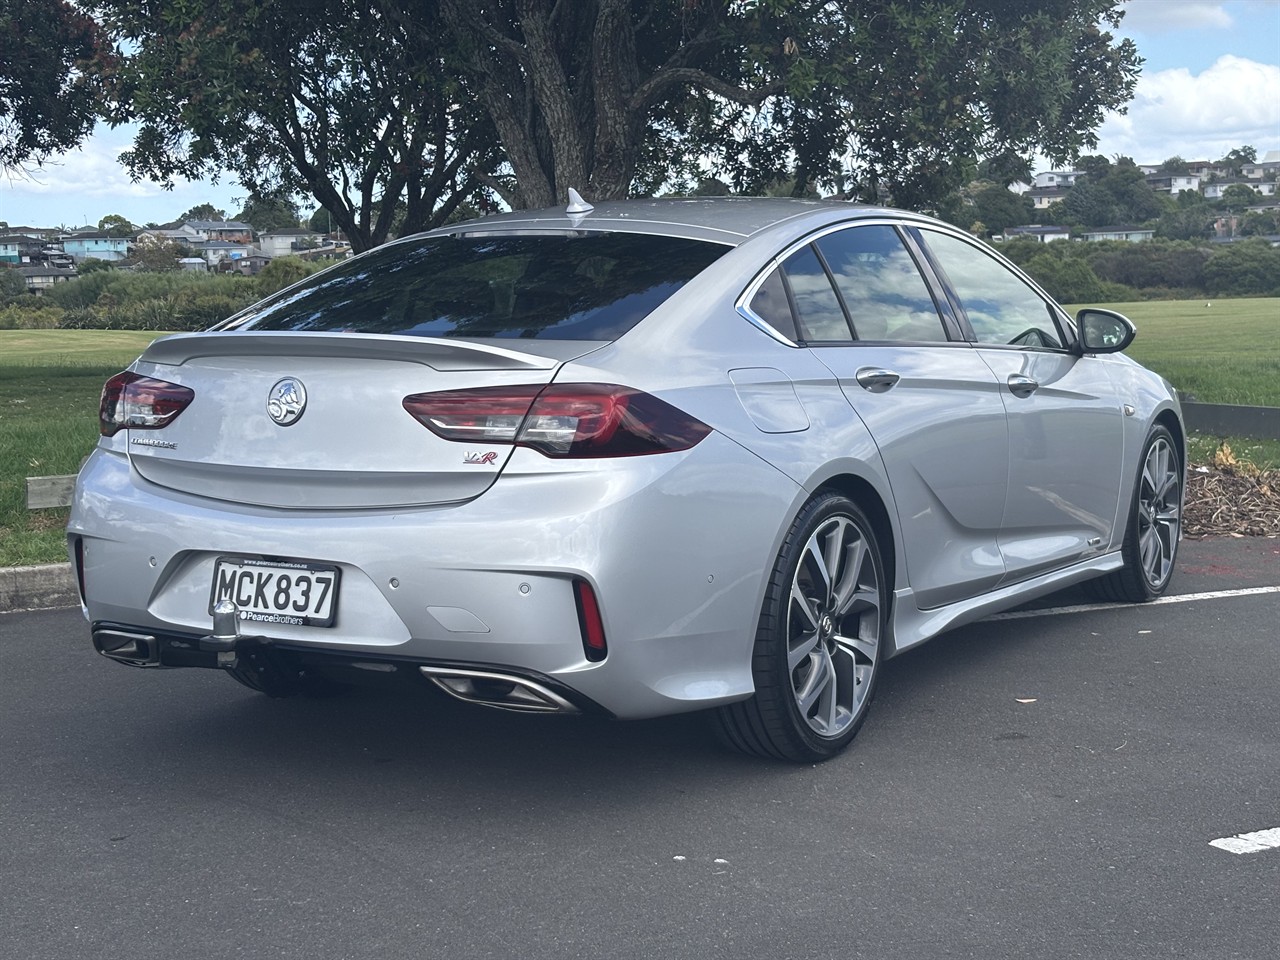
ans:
(279, 664)
(676, 548)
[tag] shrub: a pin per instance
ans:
(1246, 268)
(153, 301)
(35, 315)
(283, 272)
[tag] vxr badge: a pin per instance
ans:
(480, 458)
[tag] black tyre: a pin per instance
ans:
(1154, 525)
(818, 645)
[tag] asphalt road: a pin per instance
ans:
(148, 814)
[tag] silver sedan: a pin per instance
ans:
(651, 457)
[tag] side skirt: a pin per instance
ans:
(912, 626)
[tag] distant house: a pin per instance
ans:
(180, 234)
(195, 264)
(1037, 232)
(1172, 183)
(232, 231)
(1042, 197)
(282, 243)
(43, 233)
(1264, 188)
(1205, 169)
(250, 265)
(19, 248)
(1266, 168)
(40, 277)
(97, 246)
(215, 251)
(1132, 234)
(1056, 178)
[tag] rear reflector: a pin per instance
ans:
(593, 643)
(134, 402)
(77, 554)
(561, 420)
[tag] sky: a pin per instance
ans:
(1210, 83)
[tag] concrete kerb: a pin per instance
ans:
(37, 588)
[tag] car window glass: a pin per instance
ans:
(1001, 307)
(771, 305)
(817, 307)
(593, 286)
(882, 288)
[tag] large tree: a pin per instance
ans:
(907, 97)
(51, 55)
(580, 92)
(327, 97)
(203, 211)
(390, 110)
(265, 214)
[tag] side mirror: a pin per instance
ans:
(1104, 331)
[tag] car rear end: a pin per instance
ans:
(410, 467)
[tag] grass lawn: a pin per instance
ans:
(1226, 352)
(50, 381)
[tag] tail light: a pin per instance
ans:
(135, 402)
(560, 420)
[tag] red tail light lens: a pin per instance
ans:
(134, 402)
(561, 420)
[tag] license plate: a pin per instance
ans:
(292, 592)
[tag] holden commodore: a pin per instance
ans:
(631, 460)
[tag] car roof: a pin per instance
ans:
(729, 220)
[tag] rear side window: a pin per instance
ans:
(593, 286)
(818, 309)
(883, 290)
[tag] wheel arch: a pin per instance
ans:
(1168, 419)
(864, 494)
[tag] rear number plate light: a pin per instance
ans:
(292, 592)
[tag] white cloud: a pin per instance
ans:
(1198, 116)
(1167, 16)
(87, 183)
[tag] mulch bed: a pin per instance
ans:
(1231, 499)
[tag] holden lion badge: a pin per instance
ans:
(286, 401)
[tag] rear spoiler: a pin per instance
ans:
(439, 354)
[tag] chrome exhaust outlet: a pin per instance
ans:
(134, 649)
(502, 691)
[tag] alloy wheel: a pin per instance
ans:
(1159, 511)
(833, 626)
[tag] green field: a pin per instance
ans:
(1220, 351)
(49, 386)
(50, 380)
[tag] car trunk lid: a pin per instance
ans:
(353, 445)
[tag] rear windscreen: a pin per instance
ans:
(586, 286)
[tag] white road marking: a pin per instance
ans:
(1180, 598)
(1249, 842)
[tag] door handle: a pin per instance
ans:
(875, 379)
(1021, 386)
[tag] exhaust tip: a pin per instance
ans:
(502, 691)
(134, 649)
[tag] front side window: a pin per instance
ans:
(592, 286)
(1001, 307)
(882, 288)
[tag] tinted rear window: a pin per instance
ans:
(593, 286)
